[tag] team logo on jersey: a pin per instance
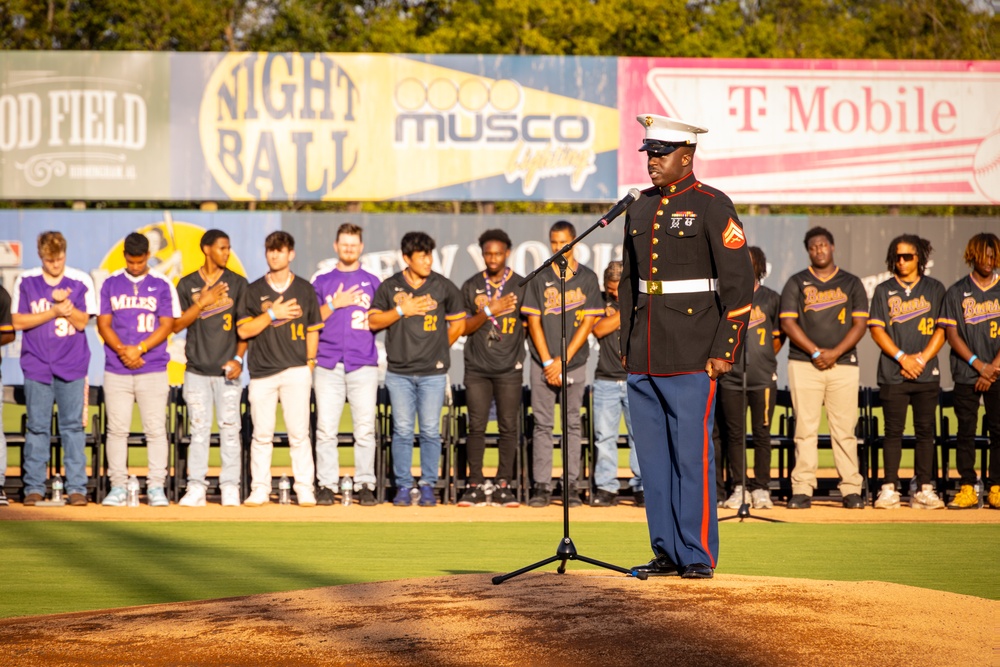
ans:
(817, 300)
(733, 236)
(574, 299)
(756, 316)
(221, 305)
(974, 312)
(264, 307)
(398, 297)
(903, 311)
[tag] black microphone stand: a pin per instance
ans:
(566, 550)
(744, 511)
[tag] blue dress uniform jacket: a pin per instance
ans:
(689, 231)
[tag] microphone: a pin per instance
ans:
(620, 207)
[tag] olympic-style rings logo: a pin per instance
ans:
(473, 95)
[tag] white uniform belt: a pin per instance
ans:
(677, 286)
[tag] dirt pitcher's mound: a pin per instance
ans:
(541, 618)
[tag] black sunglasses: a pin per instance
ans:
(905, 256)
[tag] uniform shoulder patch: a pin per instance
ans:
(733, 236)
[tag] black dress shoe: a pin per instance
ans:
(661, 566)
(853, 501)
(799, 501)
(639, 498)
(697, 571)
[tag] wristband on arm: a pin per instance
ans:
(329, 302)
(270, 313)
(399, 311)
(972, 360)
(546, 364)
(899, 355)
(815, 355)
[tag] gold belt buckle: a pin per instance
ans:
(654, 287)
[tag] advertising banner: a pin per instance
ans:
(86, 125)
(825, 131)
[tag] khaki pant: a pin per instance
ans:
(837, 388)
(292, 387)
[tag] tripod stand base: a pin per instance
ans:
(566, 551)
(744, 513)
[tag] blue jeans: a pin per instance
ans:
(360, 389)
(39, 398)
(202, 393)
(610, 401)
(416, 397)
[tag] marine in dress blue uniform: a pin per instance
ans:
(685, 293)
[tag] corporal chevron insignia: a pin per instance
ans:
(733, 237)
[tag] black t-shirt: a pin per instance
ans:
(419, 345)
(976, 313)
(609, 361)
(762, 363)
(910, 317)
(6, 322)
(825, 310)
(211, 338)
(282, 345)
(497, 347)
(583, 298)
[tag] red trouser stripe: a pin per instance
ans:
(707, 436)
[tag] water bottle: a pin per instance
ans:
(979, 491)
(57, 489)
(132, 492)
(415, 494)
(346, 491)
(914, 489)
(284, 490)
(488, 489)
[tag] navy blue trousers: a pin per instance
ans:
(672, 420)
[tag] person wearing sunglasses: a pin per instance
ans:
(903, 321)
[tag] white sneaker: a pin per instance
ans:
(761, 499)
(258, 497)
(888, 498)
(194, 497)
(305, 499)
(115, 498)
(738, 498)
(926, 499)
(230, 496)
(157, 497)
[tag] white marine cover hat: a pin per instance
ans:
(664, 135)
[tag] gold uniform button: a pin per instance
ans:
(680, 233)
(730, 340)
(654, 269)
(690, 310)
(659, 212)
(734, 326)
(656, 225)
(655, 241)
(664, 201)
(635, 231)
(655, 256)
(727, 354)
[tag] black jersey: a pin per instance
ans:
(909, 315)
(497, 347)
(282, 345)
(976, 314)
(419, 345)
(583, 298)
(762, 363)
(6, 319)
(609, 360)
(825, 310)
(211, 338)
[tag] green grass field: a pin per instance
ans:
(51, 567)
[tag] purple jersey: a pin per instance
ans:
(136, 306)
(346, 337)
(54, 348)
